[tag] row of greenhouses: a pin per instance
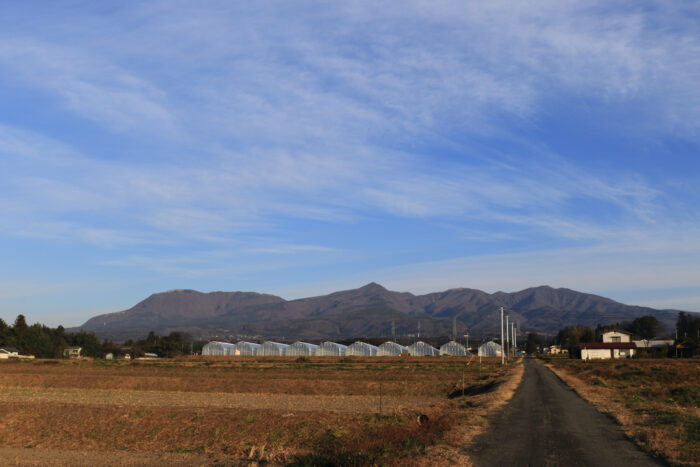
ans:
(332, 349)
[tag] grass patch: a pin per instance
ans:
(655, 400)
(687, 395)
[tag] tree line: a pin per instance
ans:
(45, 342)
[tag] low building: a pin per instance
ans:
(422, 349)
(391, 349)
(247, 349)
(331, 349)
(454, 349)
(8, 352)
(606, 350)
(72, 352)
(556, 350)
(489, 349)
(656, 343)
(301, 349)
(361, 349)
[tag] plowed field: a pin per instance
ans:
(232, 411)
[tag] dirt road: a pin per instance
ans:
(547, 424)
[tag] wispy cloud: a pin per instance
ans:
(299, 133)
(625, 267)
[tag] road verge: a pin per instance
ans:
(636, 416)
(475, 413)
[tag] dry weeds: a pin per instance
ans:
(207, 407)
(281, 402)
(414, 377)
(64, 458)
(472, 418)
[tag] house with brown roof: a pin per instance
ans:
(616, 344)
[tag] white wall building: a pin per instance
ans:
(617, 336)
(606, 350)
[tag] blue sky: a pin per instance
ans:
(299, 148)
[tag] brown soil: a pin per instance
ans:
(206, 410)
(63, 458)
(282, 402)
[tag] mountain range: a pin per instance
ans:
(369, 311)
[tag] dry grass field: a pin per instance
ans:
(655, 400)
(238, 411)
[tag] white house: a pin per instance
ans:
(605, 350)
(72, 352)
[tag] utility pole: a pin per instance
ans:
(502, 349)
(676, 343)
(515, 339)
(507, 339)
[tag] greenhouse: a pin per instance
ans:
(218, 349)
(301, 349)
(391, 349)
(490, 349)
(421, 349)
(361, 349)
(331, 349)
(454, 349)
(274, 349)
(247, 349)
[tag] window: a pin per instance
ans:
(615, 339)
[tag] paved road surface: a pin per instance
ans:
(548, 424)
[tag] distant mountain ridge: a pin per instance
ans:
(370, 311)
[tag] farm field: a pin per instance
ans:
(655, 400)
(232, 411)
